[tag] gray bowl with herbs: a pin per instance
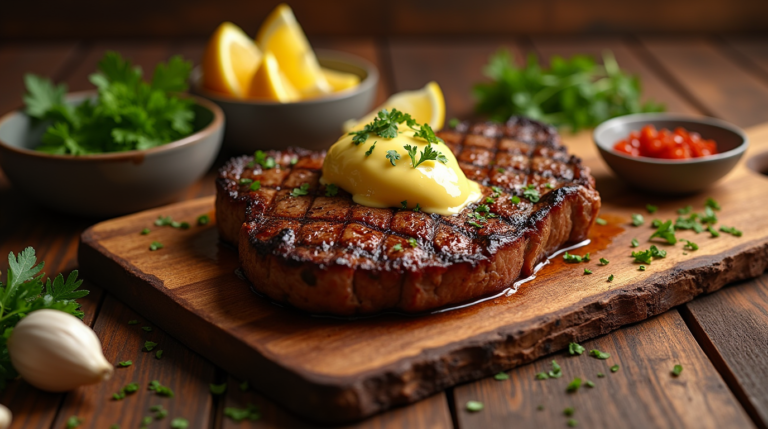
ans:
(112, 183)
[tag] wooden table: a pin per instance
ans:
(721, 339)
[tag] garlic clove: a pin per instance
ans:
(5, 417)
(57, 352)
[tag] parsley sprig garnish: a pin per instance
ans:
(427, 154)
(531, 193)
(24, 292)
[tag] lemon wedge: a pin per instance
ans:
(229, 61)
(282, 35)
(340, 81)
(426, 105)
(270, 83)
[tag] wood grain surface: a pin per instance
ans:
(346, 370)
(643, 393)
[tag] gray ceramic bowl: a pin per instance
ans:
(108, 184)
(669, 176)
(313, 124)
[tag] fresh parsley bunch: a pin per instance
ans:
(23, 292)
(576, 93)
(129, 114)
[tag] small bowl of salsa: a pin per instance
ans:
(670, 153)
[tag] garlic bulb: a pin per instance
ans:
(5, 417)
(56, 351)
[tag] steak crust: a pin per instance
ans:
(330, 255)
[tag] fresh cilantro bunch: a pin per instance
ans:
(24, 292)
(576, 93)
(129, 114)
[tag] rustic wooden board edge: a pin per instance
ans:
(343, 399)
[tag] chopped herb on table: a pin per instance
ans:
(163, 221)
(615, 368)
(658, 253)
(159, 354)
(572, 423)
(600, 375)
(569, 411)
(74, 422)
(540, 408)
(159, 389)
(156, 245)
(574, 385)
(635, 243)
(475, 406)
(145, 231)
(657, 223)
(218, 389)
(610, 278)
(556, 371)
(587, 271)
(598, 354)
(542, 376)
(567, 257)
(149, 345)
(501, 376)
(604, 261)
(128, 389)
(601, 221)
(685, 210)
(146, 328)
(251, 412)
(677, 370)
(179, 423)
(146, 421)
(575, 349)
(160, 412)
(641, 268)
(125, 363)
(644, 256)
(651, 208)
(589, 383)
(713, 231)
(637, 219)
(203, 219)
(575, 93)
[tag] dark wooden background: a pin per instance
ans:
(93, 19)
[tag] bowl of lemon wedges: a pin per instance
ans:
(276, 91)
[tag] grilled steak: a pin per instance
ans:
(330, 255)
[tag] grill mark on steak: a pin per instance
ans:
(348, 250)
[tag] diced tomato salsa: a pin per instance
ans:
(666, 144)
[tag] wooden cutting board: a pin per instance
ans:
(337, 370)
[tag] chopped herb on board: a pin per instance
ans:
(74, 422)
(251, 412)
(159, 389)
(556, 371)
(159, 354)
(637, 219)
(731, 230)
(203, 219)
(125, 363)
(615, 368)
(589, 383)
(567, 257)
(604, 261)
(156, 245)
(569, 411)
(685, 210)
(635, 243)
(711, 203)
(643, 256)
(145, 231)
(677, 370)
(601, 221)
(501, 376)
(690, 245)
(713, 231)
(651, 208)
(542, 376)
(149, 345)
(179, 423)
(641, 268)
(610, 278)
(600, 375)
(572, 423)
(667, 232)
(587, 271)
